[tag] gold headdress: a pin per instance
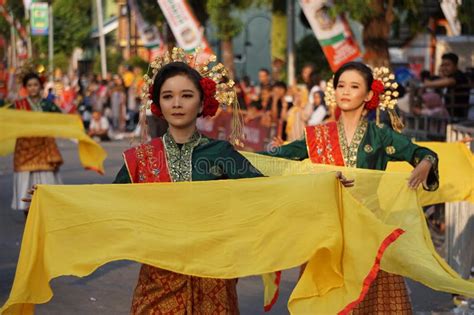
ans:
(224, 87)
(387, 99)
(29, 67)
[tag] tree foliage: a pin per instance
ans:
(466, 16)
(17, 9)
(72, 26)
(220, 13)
(363, 10)
(309, 51)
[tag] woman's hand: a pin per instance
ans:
(30, 192)
(277, 142)
(344, 181)
(419, 174)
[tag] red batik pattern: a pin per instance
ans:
(147, 163)
(323, 144)
(160, 291)
(22, 104)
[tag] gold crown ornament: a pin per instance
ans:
(224, 92)
(385, 96)
(28, 67)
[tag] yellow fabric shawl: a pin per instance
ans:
(222, 229)
(18, 123)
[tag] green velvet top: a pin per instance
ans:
(378, 145)
(210, 160)
(50, 107)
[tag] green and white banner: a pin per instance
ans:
(39, 18)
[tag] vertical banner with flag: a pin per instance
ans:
(149, 34)
(333, 33)
(185, 27)
(39, 18)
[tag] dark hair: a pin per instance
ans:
(264, 70)
(425, 74)
(309, 65)
(246, 80)
(452, 57)
(280, 84)
(314, 79)
(30, 76)
(171, 70)
(266, 88)
(365, 71)
(255, 104)
(321, 96)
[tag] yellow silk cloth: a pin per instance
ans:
(387, 195)
(220, 229)
(456, 172)
(18, 123)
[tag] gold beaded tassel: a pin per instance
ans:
(388, 99)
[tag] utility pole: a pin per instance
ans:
(13, 62)
(51, 42)
(290, 52)
(28, 32)
(100, 23)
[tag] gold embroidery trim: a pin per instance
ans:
(349, 151)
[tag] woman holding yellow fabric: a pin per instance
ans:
(353, 141)
(181, 93)
(36, 159)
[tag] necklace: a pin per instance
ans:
(349, 151)
(35, 106)
(180, 158)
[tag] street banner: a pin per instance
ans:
(450, 10)
(333, 33)
(27, 4)
(186, 28)
(11, 20)
(39, 19)
(149, 34)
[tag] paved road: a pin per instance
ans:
(109, 289)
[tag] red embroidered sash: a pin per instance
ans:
(23, 104)
(147, 163)
(323, 145)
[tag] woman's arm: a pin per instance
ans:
(295, 150)
(398, 147)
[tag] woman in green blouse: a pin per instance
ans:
(353, 141)
(181, 94)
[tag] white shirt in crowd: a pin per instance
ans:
(102, 124)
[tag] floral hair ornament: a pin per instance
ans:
(30, 67)
(218, 88)
(385, 96)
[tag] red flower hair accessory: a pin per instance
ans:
(210, 104)
(377, 88)
(153, 107)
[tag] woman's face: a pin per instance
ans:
(317, 98)
(297, 97)
(265, 95)
(33, 87)
(180, 101)
(352, 91)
